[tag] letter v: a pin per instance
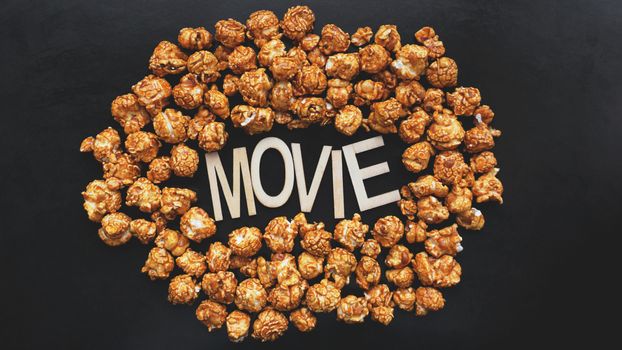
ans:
(308, 198)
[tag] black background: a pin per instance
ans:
(550, 70)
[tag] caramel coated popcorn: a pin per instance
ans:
(388, 231)
(159, 170)
(192, 263)
(310, 266)
(269, 51)
(442, 73)
(352, 309)
(380, 304)
(459, 199)
(211, 314)
(322, 297)
(362, 36)
(279, 235)
(340, 263)
(153, 93)
(238, 324)
(371, 248)
(404, 298)
(262, 26)
(218, 257)
(197, 225)
(412, 129)
(488, 188)
(195, 38)
(286, 298)
(245, 241)
(115, 229)
(269, 325)
(428, 299)
(333, 40)
(105, 146)
(184, 160)
(351, 233)
(303, 319)
(297, 22)
(101, 197)
(374, 58)
(188, 94)
(480, 138)
(398, 257)
(143, 230)
(144, 195)
(182, 290)
(431, 210)
(317, 242)
(416, 231)
(250, 295)
(464, 100)
(122, 168)
(230, 32)
(483, 162)
(159, 264)
(445, 241)
(129, 113)
(348, 120)
(167, 58)
(368, 272)
(220, 286)
(176, 201)
(173, 241)
(242, 59)
(442, 272)
(338, 93)
(213, 137)
(171, 125)
(416, 157)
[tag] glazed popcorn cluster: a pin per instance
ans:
(286, 74)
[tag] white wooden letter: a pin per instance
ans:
(357, 175)
(288, 186)
(216, 173)
(338, 185)
(307, 198)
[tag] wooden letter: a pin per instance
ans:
(288, 186)
(338, 185)
(307, 198)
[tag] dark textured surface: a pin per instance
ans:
(550, 70)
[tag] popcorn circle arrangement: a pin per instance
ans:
(320, 79)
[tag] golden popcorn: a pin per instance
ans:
(384, 115)
(310, 266)
(245, 241)
(143, 230)
(484, 114)
(284, 68)
(401, 278)
(269, 51)
(333, 40)
(398, 257)
(230, 85)
(317, 242)
(442, 73)
(182, 290)
(480, 138)
(459, 199)
(128, 112)
(322, 297)
(371, 248)
(367, 272)
(388, 231)
(220, 286)
(101, 197)
(297, 22)
(464, 100)
(204, 66)
(286, 298)
(441, 273)
(188, 94)
(269, 325)
(238, 324)
(380, 304)
(159, 264)
(404, 298)
(192, 263)
(122, 168)
(171, 126)
(195, 38)
(410, 62)
(445, 241)
(310, 80)
(433, 100)
(303, 319)
(242, 59)
(351, 233)
(217, 102)
(144, 195)
(348, 120)
(409, 93)
(211, 314)
(450, 168)
(197, 225)
(262, 26)
(279, 235)
(230, 32)
(428, 299)
(352, 309)
(416, 157)
(446, 132)
(369, 90)
(388, 37)
(184, 160)
(218, 257)
(153, 93)
(115, 229)
(472, 219)
(428, 185)
(142, 146)
(281, 96)
(173, 241)
(167, 58)
(416, 231)
(374, 58)
(213, 137)
(254, 86)
(483, 162)
(412, 129)
(266, 272)
(431, 210)
(105, 146)
(362, 36)
(159, 170)
(488, 188)
(176, 201)
(250, 295)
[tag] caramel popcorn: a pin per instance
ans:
(144, 195)
(317, 242)
(184, 160)
(309, 265)
(269, 51)
(222, 54)
(211, 314)
(217, 102)
(464, 100)
(374, 58)
(368, 90)
(431, 210)
(380, 304)
(247, 266)
(484, 114)
(105, 145)
(101, 197)
(220, 286)
(254, 87)
(182, 290)
(297, 22)
(279, 235)
(213, 137)
(310, 80)
(167, 58)
(115, 229)
(401, 278)
(159, 264)
(472, 219)
(230, 85)
(266, 272)
(303, 319)
(338, 92)
(218, 257)
(398, 257)
(384, 115)
(459, 199)
(286, 298)
(173, 241)
(450, 168)
(159, 170)
(404, 298)
(122, 168)
(416, 231)
(371, 248)
(388, 78)
(410, 93)
(427, 36)
(388, 231)
(445, 241)
(348, 120)
(238, 324)
(340, 263)
(192, 263)
(333, 40)
(428, 299)
(142, 146)
(352, 309)
(287, 273)
(195, 38)
(197, 225)
(408, 208)
(362, 36)
(433, 100)
(262, 26)
(388, 37)
(442, 73)
(367, 272)
(250, 295)
(343, 66)
(242, 59)
(440, 273)
(230, 32)
(269, 325)
(176, 201)
(188, 94)
(416, 157)
(411, 62)
(245, 241)
(126, 110)
(284, 68)
(351, 233)
(153, 93)
(282, 96)
(252, 120)
(171, 125)
(316, 57)
(480, 138)
(428, 185)
(488, 188)
(143, 230)
(322, 297)
(160, 220)
(203, 65)
(483, 162)
(446, 132)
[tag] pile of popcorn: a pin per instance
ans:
(308, 79)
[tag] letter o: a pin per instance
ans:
(288, 186)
